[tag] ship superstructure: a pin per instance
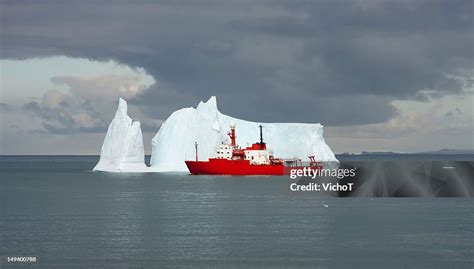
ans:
(253, 160)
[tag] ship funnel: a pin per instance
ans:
(232, 135)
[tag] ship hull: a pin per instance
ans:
(233, 167)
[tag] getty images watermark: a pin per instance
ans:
(329, 179)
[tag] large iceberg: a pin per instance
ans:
(175, 141)
(122, 150)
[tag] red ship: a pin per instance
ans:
(252, 160)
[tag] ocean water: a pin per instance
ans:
(57, 210)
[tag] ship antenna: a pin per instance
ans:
(196, 146)
(261, 134)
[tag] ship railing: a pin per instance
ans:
(292, 161)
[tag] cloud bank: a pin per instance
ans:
(285, 60)
(341, 63)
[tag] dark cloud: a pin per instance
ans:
(5, 107)
(61, 116)
(454, 112)
(66, 129)
(150, 128)
(33, 106)
(335, 62)
(159, 101)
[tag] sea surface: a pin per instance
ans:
(56, 209)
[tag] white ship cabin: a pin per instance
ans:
(257, 156)
(224, 151)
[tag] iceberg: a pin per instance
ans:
(175, 141)
(122, 150)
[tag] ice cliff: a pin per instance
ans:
(122, 150)
(205, 125)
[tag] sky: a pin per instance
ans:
(379, 75)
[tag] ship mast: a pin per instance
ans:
(196, 147)
(232, 135)
(261, 134)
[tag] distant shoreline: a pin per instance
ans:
(436, 152)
